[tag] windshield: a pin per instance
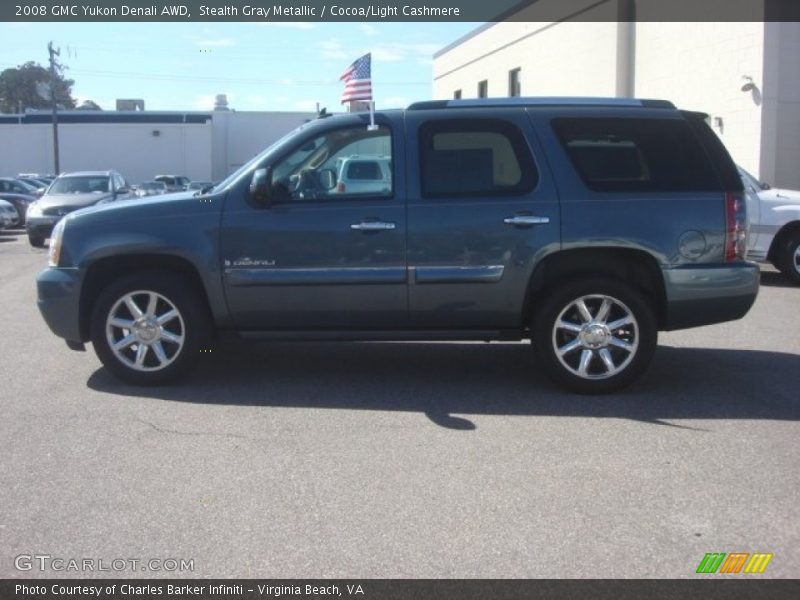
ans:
(750, 180)
(80, 185)
(250, 165)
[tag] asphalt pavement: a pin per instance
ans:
(373, 460)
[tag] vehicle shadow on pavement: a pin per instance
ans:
(775, 279)
(444, 380)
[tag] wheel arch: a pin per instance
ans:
(789, 229)
(634, 267)
(105, 270)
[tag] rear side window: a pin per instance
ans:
(364, 170)
(637, 155)
(474, 157)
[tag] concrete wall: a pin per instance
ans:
(780, 143)
(239, 136)
(132, 149)
(139, 151)
(556, 59)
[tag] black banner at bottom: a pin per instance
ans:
(398, 589)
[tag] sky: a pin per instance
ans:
(260, 66)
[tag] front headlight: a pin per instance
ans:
(54, 255)
(34, 210)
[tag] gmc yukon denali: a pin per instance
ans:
(585, 225)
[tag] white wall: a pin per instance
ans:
(780, 148)
(699, 66)
(199, 151)
(129, 148)
(556, 59)
(239, 136)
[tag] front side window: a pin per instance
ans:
(344, 163)
(636, 155)
(474, 157)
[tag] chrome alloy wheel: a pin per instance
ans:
(145, 331)
(595, 336)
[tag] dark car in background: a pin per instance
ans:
(12, 185)
(39, 185)
(69, 192)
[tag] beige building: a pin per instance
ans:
(746, 75)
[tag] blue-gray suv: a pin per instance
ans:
(584, 225)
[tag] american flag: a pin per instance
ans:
(358, 80)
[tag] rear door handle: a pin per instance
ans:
(372, 226)
(526, 220)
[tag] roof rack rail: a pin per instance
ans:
(540, 101)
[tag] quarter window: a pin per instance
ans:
(636, 155)
(480, 157)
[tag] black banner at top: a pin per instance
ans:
(398, 589)
(399, 10)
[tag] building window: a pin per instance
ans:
(457, 95)
(514, 87)
(483, 89)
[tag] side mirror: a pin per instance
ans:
(766, 186)
(261, 187)
(327, 179)
(123, 191)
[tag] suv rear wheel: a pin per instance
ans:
(595, 336)
(148, 328)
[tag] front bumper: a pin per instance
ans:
(704, 294)
(58, 297)
(41, 226)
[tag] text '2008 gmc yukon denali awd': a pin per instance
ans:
(586, 225)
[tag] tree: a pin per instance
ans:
(18, 88)
(89, 105)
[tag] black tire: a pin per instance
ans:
(36, 241)
(788, 258)
(562, 304)
(192, 325)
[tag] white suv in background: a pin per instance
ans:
(774, 216)
(363, 175)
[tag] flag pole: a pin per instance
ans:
(372, 126)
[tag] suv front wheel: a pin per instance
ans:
(595, 336)
(148, 328)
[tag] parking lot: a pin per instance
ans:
(401, 459)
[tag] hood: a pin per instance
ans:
(73, 200)
(780, 197)
(141, 207)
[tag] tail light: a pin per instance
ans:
(735, 227)
(340, 187)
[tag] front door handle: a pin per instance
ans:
(526, 220)
(372, 226)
